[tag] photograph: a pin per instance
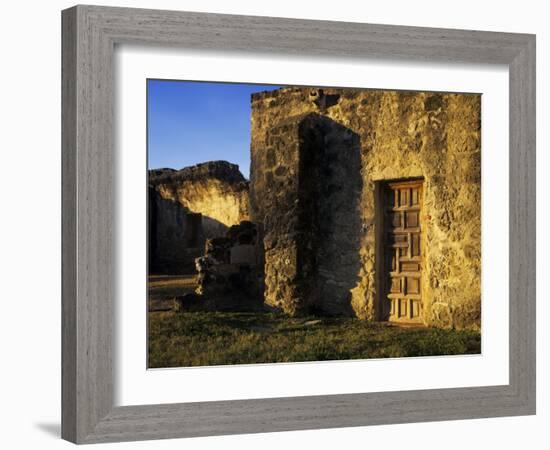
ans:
(271, 225)
(303, 223)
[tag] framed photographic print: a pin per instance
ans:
(278, 224)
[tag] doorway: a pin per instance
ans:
(400, 208)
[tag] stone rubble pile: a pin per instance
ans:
(228, 272)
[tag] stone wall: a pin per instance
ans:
(318, 157)
(216, 189)
(168, 235)
(307, 198)
(188, 206)
(228, 274)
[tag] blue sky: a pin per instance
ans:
(192, 122)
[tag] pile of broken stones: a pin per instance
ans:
(227, 273)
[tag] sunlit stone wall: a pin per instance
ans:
(215, 189)
(381, 135)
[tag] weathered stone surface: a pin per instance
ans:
(308, 212)
(243, 233)
(318, 217)
(169, 235)
(243, 254)
(215, 189)
(218, 248)
(228, 273)
(188, 206)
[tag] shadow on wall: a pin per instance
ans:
(212, 227)
(331, 186)
(306, 188)
(176, 236)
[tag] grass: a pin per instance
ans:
(166, 287)
(161, 290)
(215, 338)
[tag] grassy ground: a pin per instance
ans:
(214, 338)
(161, 289)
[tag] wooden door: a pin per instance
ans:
(402, 251)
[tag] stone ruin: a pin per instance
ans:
(198, 224)
(188, 206)
(229, 272)
(369, 203)
(360, 203)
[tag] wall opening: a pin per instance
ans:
(193, 226)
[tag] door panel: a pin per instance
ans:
(402, 251)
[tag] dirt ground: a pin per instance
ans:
(163, 288)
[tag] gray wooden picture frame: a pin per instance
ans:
(89, 37)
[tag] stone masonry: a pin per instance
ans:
(216, 189)
(188, 206)
(320, 158)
